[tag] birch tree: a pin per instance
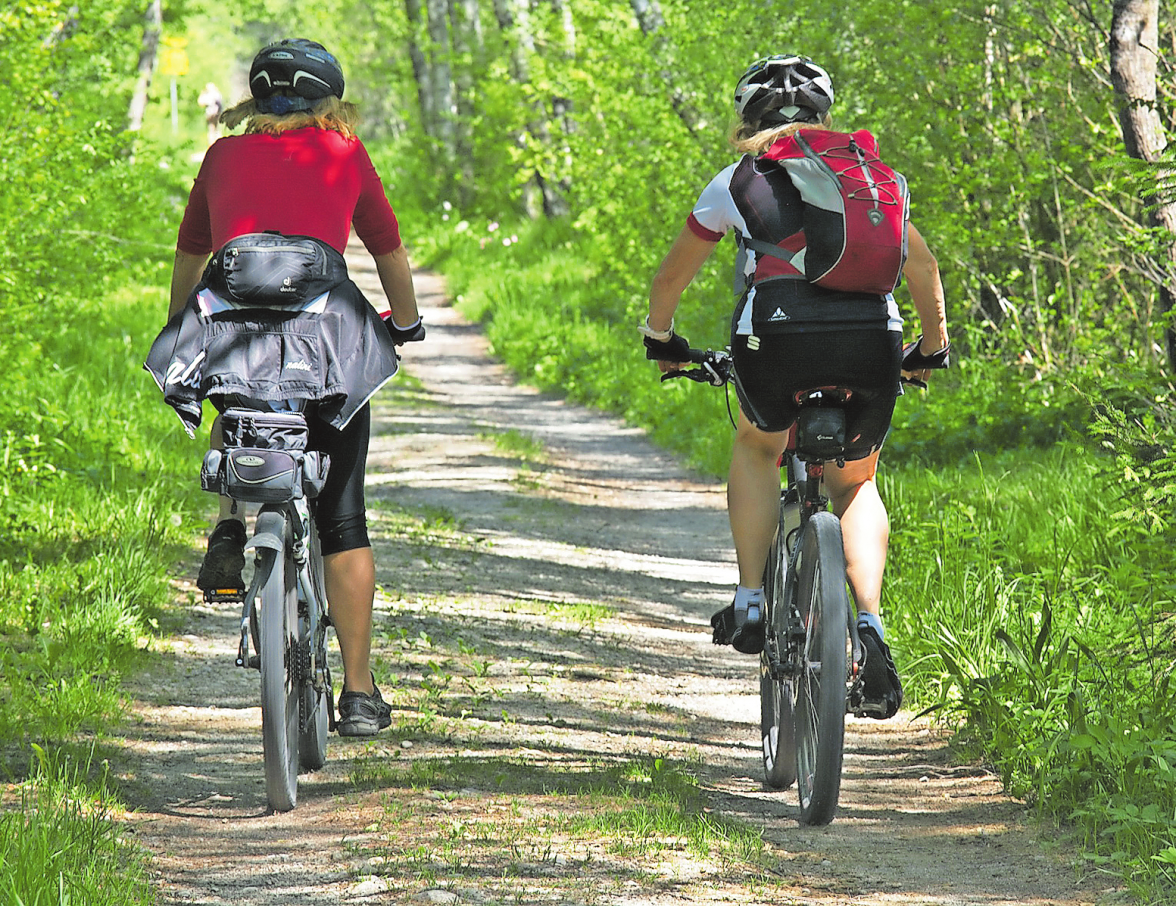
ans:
(148, 55)
(440, 74)
(540, 196)
(653, 25)
(466, 24)
(1134, 46)
(420, 69)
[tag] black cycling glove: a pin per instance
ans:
(675, 349)
(914, 360)
(414, 333)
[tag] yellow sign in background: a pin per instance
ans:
(173, 61)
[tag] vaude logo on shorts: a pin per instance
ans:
(250, 461)
(779, 315)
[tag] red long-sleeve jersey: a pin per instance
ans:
(304, 182)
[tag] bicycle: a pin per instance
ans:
(284, 619)
(810, 664)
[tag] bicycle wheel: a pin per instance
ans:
(777, 693)
(314, 706)
(820, 707)
(279, 687)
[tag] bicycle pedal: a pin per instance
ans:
(224, 595)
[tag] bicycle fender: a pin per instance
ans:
(266, 540)
(270, 532)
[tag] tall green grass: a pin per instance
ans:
(98, 499)
(1023, 616)
(95, 509)
(61, 847)
(1030, 588)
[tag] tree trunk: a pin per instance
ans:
(148, 54)
(441, 75)
(420, 70)
(653, 25)
(1134, 55)
(539, 197)
(468, 52)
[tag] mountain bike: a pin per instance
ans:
(809, 667)
(284, 621)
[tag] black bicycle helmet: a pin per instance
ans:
(784, 88)
(292, 75)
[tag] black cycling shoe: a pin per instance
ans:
(363, 715)
(746, 639)
(222, 566)
(878, 691)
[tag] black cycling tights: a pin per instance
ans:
(340, 514)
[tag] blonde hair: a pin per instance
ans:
(330, 113)
(749, 138)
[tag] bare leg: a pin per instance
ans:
(753, 497)
(865, 527)
(351, 589)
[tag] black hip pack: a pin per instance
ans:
(274, 270)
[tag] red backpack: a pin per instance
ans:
(855, 214)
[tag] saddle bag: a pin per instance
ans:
(820, 433)
(241, 427)
(265, 459)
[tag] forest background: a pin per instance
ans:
(542, 154)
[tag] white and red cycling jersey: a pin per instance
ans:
(756, 199)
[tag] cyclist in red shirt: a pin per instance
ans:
(299, 169)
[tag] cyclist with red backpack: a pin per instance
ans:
(798, 191)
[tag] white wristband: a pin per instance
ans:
(660, 335)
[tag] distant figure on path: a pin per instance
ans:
(213, 103)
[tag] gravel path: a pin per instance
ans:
(546, 579)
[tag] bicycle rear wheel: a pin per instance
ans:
(279, 686)
(820, 708)
(315, 705)
(777, 693)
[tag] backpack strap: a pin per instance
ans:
(762, 247)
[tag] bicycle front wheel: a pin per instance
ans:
(820, 708)
(777, 692)
(279, 686)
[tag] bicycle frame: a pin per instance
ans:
(811, 500)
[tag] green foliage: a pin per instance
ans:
(92, 511)
(1020, 613)
(63, 847)
(88, 503)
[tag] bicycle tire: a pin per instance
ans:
(279, 688)
(777, 694)
(315, 705)
(820, 706)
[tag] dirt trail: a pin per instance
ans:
(546, 581)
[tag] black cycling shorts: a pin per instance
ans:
(340, 514)
(866, 360)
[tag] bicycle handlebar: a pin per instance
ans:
(714, 368)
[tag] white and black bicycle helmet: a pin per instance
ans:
(292, 75)
(784, 88)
